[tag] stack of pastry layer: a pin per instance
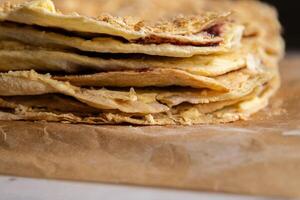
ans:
(146, 62)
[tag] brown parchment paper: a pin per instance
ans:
(260, 156)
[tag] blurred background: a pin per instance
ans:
(289, 16)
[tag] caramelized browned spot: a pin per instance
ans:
(154, 39)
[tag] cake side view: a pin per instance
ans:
(195, 62)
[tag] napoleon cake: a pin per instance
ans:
(140, 63)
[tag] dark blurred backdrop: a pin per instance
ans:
(289, 16)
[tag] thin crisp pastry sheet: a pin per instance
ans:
(31, 83)
(43, 13)
(241, 84)
(154, 78)
(160, 78)
(33, 36)
(260, 20)
(193, 114)
(19, 56)
(57, 104)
